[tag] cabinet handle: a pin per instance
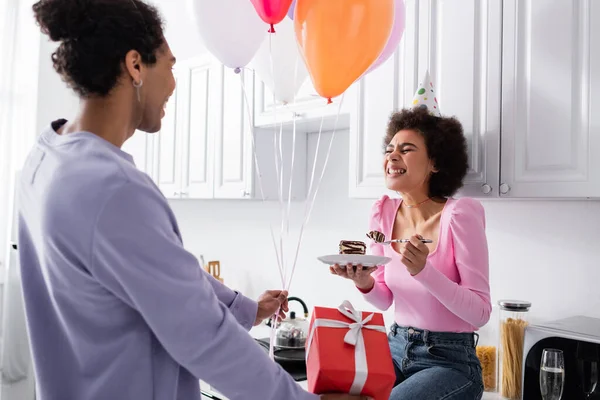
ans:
(504, 188)
(176, 194)
(185, 194)
(486, 189)
(245, 193)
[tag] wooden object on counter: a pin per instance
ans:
(214, 268)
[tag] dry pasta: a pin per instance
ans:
(512, 334)
(487, 358)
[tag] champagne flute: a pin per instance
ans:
(588, 371)
(552, 374)
(587, 367)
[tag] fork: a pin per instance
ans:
(405, 241)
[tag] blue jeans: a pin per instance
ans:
(435, 365)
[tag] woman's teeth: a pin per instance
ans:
(399, 171)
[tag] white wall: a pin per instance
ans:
(183, 38)
(54, 99)
(542, 251)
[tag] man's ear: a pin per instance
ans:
(133, 65)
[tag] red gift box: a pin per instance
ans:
(347, 351)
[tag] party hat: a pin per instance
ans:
(425, 96)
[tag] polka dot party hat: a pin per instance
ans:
(425, 96)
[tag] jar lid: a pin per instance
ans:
(514, 305)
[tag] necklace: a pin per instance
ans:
(418, 204)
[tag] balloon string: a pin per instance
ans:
(281, 202)
(278, 156)
(289, 199)
(260, 183)
(281, 171)
(279, 174)
(312, 200)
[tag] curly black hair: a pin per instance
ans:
(95, 37)
(446, 147)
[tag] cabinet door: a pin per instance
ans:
(461, 47)
(139, 146)
(167, 151)
(307, 107)
(198, 86)
(551, 99)
(234, 172)
(378, 94)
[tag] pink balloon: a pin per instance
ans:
(272, 11)
(395, 36)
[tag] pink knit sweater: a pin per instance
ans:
(452, 293)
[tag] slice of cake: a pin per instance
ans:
(376, 236)
(352, 247)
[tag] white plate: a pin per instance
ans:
(365, 260)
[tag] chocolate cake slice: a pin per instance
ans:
(352, 247)
(376, 236)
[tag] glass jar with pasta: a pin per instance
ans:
(487, 351)
(513, 318)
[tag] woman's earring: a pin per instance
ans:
(137, 87)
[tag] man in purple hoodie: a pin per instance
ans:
(116, 307)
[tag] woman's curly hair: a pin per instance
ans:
(446, 147)
(95, 36)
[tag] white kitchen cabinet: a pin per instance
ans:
(180, 159)
(198, 88)
(140, 147)
(204, 149)
(551, 99)
(233, 135)
(308, 109)
(518, 75)
(386, 89)
(461, 48)
(167, 151)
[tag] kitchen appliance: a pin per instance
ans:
(578, 338)
(291, 360)
(291, 333)
(290, 339)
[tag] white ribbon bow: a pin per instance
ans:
(353, 337)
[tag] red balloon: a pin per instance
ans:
(272, 11)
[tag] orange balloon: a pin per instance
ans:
(341, 39)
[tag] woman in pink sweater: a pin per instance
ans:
(440, 289)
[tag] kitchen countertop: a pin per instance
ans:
(263, 331)
(491, 396)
